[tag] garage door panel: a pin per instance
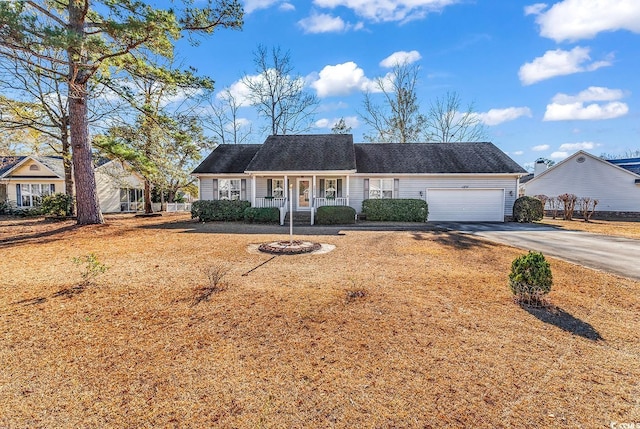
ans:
(474, 205)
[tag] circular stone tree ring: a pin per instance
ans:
(288, 247)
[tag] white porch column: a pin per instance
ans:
(253, 190)
(286, 187)
(348, 177)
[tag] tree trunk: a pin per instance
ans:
(88, 207)
(148, 208)
(67, 164)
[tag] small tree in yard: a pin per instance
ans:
(527, 209)
(530, 278)
(544, 200)
(568, 202)
(554, 205)
(587, 206)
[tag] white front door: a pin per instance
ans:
(303, 194)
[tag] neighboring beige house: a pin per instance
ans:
(24, 180)
(617, 189)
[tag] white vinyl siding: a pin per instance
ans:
(466, 205)
(614, 188)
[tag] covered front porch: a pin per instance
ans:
(299, 192)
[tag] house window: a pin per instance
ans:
(229, 189)
(380, 188)
(30, 194)
(278, 188)
(331, 188)
(131, 200)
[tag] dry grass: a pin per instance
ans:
(629, 229)
(391, 329)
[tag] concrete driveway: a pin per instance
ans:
(601, 252)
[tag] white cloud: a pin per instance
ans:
(400, 57)
(351, 121)
(535, 9)
(541, 148)
(559, 63)
(389, 10)
(578, 146)
(572, 20)
(518, 153)
(604, 105)
(578, 111)
(498, 116)
(342, 79)
(559, 155)
(593, 93)
(322, 23)
(253, 5)
(286, 7)
(240, 91)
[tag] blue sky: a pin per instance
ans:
(547, 78)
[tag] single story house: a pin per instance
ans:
(24, 180)
(459, 181)
(616, 187)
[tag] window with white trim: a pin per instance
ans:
(229, 189)
(380, 188)
(330, 188)
(131, 199)
(278, 188)
(30, 194)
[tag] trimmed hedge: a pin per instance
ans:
(396, 210)
(219, 210)
(56, 204)
(335, 215)
(262, 215)
(528, 209)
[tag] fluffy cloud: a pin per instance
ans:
(388, 10)
(571, 20)
(286, 7)
(351, 121)
(400, 57)
(541, 148)
(604, 104)
(559, 155)
(253, 5)
(342, 79)
(559, 63)
(518, 153)
(577, 146)
(322, 23)
(498, 116)
(535, 9)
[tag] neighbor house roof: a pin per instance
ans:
(320, 152)
(53, 163)
(432, 158)
(631, 164)
(228, 158)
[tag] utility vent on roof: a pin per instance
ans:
(580, 159)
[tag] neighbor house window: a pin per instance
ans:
(229, 189)
(380, 188)
(30, 194)
(131, 200)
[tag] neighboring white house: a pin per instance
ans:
(24, 180)
(459, 181)
(584, 175)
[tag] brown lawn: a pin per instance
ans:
(629, 229)
(435, 341)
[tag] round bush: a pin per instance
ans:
(528, 209)
(530, 278)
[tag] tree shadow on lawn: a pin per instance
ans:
(68, 292)
(453, 239)
(556, 316)
(39, 237)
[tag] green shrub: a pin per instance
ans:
(56, 204)
(335, 215)
(219, 210)
(262, 215)
(396, 210)
(528, 209)
(5, 207)
(530, 278)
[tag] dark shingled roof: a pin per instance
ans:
(228, 158)
(318, 152)
(433, 158)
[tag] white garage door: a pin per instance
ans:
(463, 205)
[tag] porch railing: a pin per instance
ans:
(178, 207)
(270, 202)
(340, 201)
